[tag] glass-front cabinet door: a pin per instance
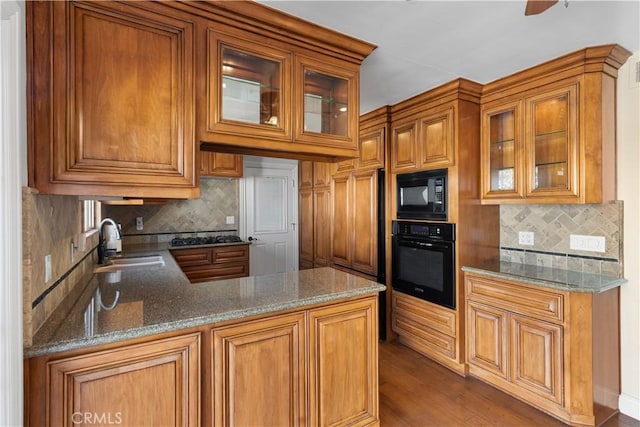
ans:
(326, 106)
(552, 143)
(502, 151)
(249, 88)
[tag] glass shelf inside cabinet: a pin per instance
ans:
(250, 89)
(551, 143)
(326, 103)
(502, 151)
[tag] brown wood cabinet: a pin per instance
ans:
(343, 364)
(427, 328)
(440, 128)
(112, 386)
(372, 145)
(314, 212)
(213, 263)
(277, 86)
(424, 140)
(355, 220)
(548, 132)
(116, 118)
(220, 165)
(259, 377)
(556, 350)
(316, 365)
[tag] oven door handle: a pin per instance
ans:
(422, 244)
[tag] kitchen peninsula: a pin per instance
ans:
(304, 342)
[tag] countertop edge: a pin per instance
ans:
(176, 326)
(613, 283)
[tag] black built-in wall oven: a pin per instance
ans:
(423, 258)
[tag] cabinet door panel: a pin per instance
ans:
(552, 142)
(259, 373)
(403, 146)
(220, 164)
(123, 109)
(231, 253)
(305, 174)
(365, 222)
(322, 227)
(249, 87)
(343, 365)
(115, 385)
(487, 341)
(536, 359)
(502, 151)
(306, 244)
(372, 149)
(436, 140)
(341, 241)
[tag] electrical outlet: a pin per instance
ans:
(47, 268)
(525, 238)
(231, 219)
(139, 223)
(587, 243)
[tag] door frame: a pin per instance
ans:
(258, 162)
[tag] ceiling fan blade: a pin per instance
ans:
(535, 7)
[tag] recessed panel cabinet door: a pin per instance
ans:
(259, 373)
(341, 240)
(343, 365)
(365, 221)
(536, 357)
(152, 384)
(121, 99)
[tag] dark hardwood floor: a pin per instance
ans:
(417, 392)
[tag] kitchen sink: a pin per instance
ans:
(126, 263)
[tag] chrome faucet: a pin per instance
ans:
(102, 250)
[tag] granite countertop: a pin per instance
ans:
(553, 278)
(115, 306)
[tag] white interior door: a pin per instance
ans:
(269, 214)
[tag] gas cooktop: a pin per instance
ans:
(209, 240)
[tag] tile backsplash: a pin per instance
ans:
(49, 226)
(553, 225)
(218, 199)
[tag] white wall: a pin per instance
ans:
(12, 173)
(628, 191)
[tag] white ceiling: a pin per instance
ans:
(422, 44)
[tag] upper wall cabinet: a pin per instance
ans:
(423, 129)
(111, 99)
(278, 87)
(374, 127)
(548, 133)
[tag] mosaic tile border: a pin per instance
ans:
(580, 263)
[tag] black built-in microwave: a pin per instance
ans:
(422, 195)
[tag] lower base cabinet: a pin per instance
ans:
(315, 366)
(150, 384)
(259, 373)
(427, 328)
(556, 350)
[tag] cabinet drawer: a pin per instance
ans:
(424, 313)
(231, 253)
(516, 298)
(423, 339)
(218, 272)
(192, 257)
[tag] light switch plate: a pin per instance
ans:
(231, 219)
(525, 238)
(587, 243)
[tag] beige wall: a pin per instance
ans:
(629, 192)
